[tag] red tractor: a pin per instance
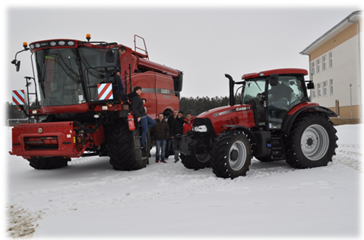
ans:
(274, 120)
(80, 103)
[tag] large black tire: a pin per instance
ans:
(124, 146)
(195, 162)
(265, 159)
(311, 142)
(231, 155)
(47, 163)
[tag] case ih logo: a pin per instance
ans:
(105, 91)
(165, 91)
(242, 109)
(18, 97)
(230, 111)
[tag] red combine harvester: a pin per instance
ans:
(274, 120)
(80, 101)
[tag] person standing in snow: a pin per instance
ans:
(171, 123)
(140, 114)
(178, 129)
(188, 123)
(161, 134)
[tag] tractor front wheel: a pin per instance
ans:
(231, 155)
(312, 142)
(42, 163)
(195, 162)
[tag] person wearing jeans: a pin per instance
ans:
(178, 129)
(140, 114)
(160, 145)
(161, 134)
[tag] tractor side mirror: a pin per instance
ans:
(273, 80)
(310, 85)
(110, 57)
(17, 66)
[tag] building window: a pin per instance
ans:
(319, 90)
(313, 93)
(331, 86)
(325, 88)
(313, 67)
(324, 60)
(318, 65)
(330, 59)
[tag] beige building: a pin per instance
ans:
(334, 60)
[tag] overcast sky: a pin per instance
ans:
(204, 41)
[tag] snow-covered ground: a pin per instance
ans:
(89, 199)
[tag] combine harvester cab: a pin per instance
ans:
(80, 111)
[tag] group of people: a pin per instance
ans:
(177, 125)
(164, 130)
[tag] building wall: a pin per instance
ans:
(344, 71)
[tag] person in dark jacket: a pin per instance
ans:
(161, 134)
(121, 88)
(171, 123)
(140, 114)
(178, 129)
(121, 50)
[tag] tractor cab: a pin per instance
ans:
(273, 94)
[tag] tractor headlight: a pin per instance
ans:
(201, 128)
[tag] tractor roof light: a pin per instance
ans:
(34, 112)
(88, 37)
(25, 45)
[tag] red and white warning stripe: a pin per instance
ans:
(18, 97)
(105, 91)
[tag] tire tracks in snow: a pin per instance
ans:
(349, 155)
(172, 179)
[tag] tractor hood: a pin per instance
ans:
(220, 118)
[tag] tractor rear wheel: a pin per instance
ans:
(124, 146)
(231, 155)
(195, 162)
(42, 163)
(312, 142)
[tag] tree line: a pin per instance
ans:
(199, 105)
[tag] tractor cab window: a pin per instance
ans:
(59, 79)
(281, 98)
(98, 66)
(253, 93)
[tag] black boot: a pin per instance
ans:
(144, 151)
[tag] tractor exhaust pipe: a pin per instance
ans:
(231, 90)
